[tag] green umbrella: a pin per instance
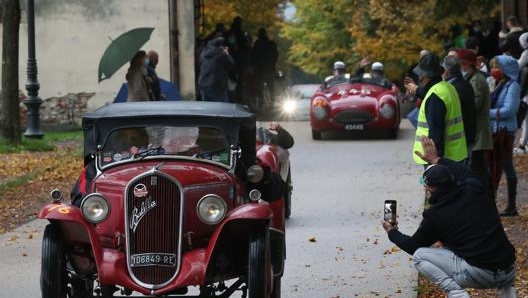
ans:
(121, 50)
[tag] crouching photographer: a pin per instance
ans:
(475, 252)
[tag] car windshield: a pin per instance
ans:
(139, 142)
(305, 91)
(369, 79)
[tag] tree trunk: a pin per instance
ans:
(10, 122)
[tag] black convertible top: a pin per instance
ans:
(236, 121)
(177, 109)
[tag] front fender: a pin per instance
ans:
(71, 221)
(246, 215)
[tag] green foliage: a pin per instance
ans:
(319, 35)
(390, 31)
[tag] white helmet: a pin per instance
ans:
(377, 66)
(339, 65)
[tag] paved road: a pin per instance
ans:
(339, 188)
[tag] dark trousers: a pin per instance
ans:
(480, 168)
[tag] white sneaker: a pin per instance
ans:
(519, 150)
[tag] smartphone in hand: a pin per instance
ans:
(389, 211)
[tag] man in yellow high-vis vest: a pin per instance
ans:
(440, 115)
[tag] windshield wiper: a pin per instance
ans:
(152, 151)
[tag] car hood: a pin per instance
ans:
(354, 101)
(188, 173)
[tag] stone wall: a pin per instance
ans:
(61, 110)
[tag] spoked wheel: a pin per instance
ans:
(259, 269)
(287, 196)
(53, 268)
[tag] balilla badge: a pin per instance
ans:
(137, 215)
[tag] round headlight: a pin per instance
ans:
(95, 208)
(211, 209)
(255, 173)
(319, 112)
(387, 111)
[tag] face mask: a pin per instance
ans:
(146, 62)
(464, 73)
(497, 74)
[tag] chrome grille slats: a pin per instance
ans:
(157, 228)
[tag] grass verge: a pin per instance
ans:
(39, 145)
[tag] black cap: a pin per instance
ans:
(439, 176)
(429, 66)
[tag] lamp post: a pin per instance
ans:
(32, 102)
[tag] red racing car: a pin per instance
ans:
(356, 104)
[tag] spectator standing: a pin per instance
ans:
(415, 91)
(453, 75)
(475, 251)
(138, 79)
(510, 40)
(265, 57)
(216, 64)
(523, 69)
(440, 116)
(155, 86)
(483, 141)
(505, 100)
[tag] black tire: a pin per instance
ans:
(259, 266)
(276, 293)
(53, 267)
(287, 196)
(393, 133)
(316, 135)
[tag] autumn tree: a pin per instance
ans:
(256, 14)
(395, 31)
(10, 122)
(319, 34)
(391, 31)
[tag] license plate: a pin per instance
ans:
(153, 259)
(354, 126)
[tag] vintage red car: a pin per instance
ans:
(356, 104)
(173, 195)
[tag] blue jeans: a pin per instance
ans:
(453, 274)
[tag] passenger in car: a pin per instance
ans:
(340, 75)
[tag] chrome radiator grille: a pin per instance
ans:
(153, 207)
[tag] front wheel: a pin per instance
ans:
(393, 133)
(316, 135)
(259, 269)
(53, 268)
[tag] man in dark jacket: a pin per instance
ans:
(453, 75)
(216, 64)
(475, 252)
(264, 57)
